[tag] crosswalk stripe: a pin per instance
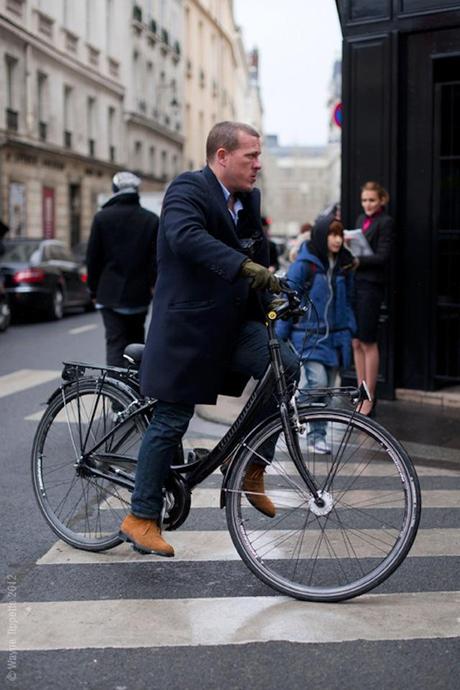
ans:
(23, 379)
(375, 469)
(218, 546)
(210, 498)
(34, 417)
(83, 329)
(220, 621)
(428, 452)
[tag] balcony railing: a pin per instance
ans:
(12, 117)
(42, 130)
(68, 139)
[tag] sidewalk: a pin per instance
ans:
(428, 424)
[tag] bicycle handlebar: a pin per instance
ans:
(292, 308)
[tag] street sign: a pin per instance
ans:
(338, 114)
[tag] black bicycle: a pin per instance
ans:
(344, 521)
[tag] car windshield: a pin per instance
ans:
(20, 252)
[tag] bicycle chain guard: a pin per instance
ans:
(177, 502)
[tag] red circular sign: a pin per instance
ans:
(338, 114)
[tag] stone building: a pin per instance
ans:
(77, 108)
(93, 87)
(297, 185)
(219, 79)
(302, 181)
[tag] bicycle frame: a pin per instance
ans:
(272, 382)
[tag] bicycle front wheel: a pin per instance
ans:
(361, 532)
(74, 476)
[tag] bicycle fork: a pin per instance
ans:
(289, 418)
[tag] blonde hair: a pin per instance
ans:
(225, 135)
(376, 187)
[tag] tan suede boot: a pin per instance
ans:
(253, 486)
(145, 536)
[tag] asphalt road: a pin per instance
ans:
(119, 621)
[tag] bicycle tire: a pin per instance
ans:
(85, 510)
(371, 513)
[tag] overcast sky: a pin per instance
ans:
(298, 41)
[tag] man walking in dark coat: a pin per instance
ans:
(207, 316)
(121, 261)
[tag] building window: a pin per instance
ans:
(152, 160)
(164, 165)
(114, 68)
(111, 134)
(68, 96)
(93, 56)
(12, 115)
(11, 65)
(15, 6)
(42, 105)
(45, 25)
(91, 126)
(138, 155)
(71, 42)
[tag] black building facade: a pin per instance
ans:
(401, 98)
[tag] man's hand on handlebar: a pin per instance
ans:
(261, 278)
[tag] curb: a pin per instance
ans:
(449, 397)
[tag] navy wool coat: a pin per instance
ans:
(200, 297)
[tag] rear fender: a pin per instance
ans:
(61, 391)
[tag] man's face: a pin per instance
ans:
(240, 167)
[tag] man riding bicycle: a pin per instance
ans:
(207, 333)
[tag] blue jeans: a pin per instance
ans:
(171, 420)
(318, 375)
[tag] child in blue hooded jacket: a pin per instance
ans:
(322, 338)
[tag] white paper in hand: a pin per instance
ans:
(357, 243)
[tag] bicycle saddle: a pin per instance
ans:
(133, 353)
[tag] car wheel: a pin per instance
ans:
(5, 316)
(56, 310)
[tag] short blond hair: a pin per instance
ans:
(225, 135)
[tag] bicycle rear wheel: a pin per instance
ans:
(76, 487)
(356, 539)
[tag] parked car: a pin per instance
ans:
(5, 312)
(43, 275)
(79, 252)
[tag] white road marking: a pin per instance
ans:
(83, 329)
(197, 546)
(35, 416)
(210, 498)
(221, 621)
(23, 379)
(427, 452)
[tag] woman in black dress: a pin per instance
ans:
(377, 227)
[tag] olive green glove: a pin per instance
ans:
(261, 278)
